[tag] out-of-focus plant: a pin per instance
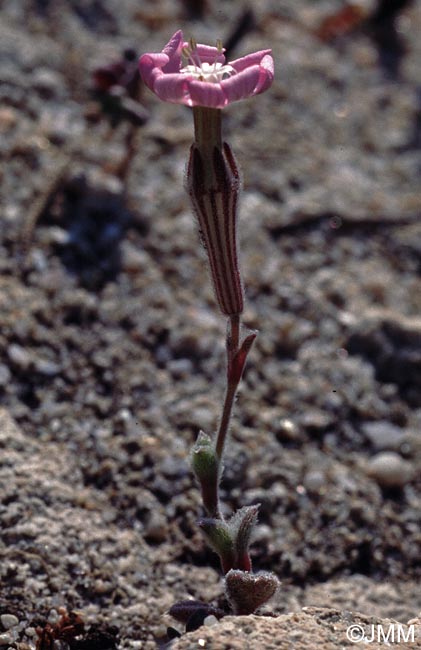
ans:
(116, 89)
(116, 86)
(199, 76)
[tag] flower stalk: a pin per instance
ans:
(207, 130)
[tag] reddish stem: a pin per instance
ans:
(233, 339)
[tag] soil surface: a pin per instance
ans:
(112, 349)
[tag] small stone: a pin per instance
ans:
(53, 616)
(57, 235)
(19, 356)
(316, 421)
(210, 621)
(102, 586)
(157, 529)
(5, 639)
(8, 119)
(180, 368)
(203, 417)
(47, 368)
(287, 431)
(47, 82)
(4, 375)
(8, 621)
(384, 435)
(314, 481)
(134, 259)
(30, 631)
(390, 470)
(392, 343)
(174, 467)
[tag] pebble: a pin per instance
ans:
(48, 82)
(9, 620)
(47, 368)
(314, 480)
(30, 631)
(133, 259)
(103, 586)
(390, 470)
(8, 119)
(157, 529)
(5, 639)
(384, 435)
(315, 421)
(57, 235)
(287, 431)
(4, 375)
(392, 343)
(19, 356)
(180, 368)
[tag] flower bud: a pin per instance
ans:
(237, 363)
(207, 468)
(241, 526)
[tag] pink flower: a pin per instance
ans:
(204, 78)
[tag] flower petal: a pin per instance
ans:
(172, 87)
(267, 74)
(161, 73)
(250, 59)
(203, 93)
(207, 53)
(173, 51)
(149, 65)
(241, 85)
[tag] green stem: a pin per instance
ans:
(207, 127)
(207, 135)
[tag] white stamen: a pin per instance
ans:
(210, 72)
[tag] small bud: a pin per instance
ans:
(236, 365)
(241, 526)
(246, 592)
(203, 458)
(219, 538)
(207, 469)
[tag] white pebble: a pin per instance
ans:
(314, 480)
(8, 621)
(30, 631)
(5, 639)
(390, 470)
(210, 620)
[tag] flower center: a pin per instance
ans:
(210, 72)
(204, 71)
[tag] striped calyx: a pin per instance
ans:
(213, 184)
